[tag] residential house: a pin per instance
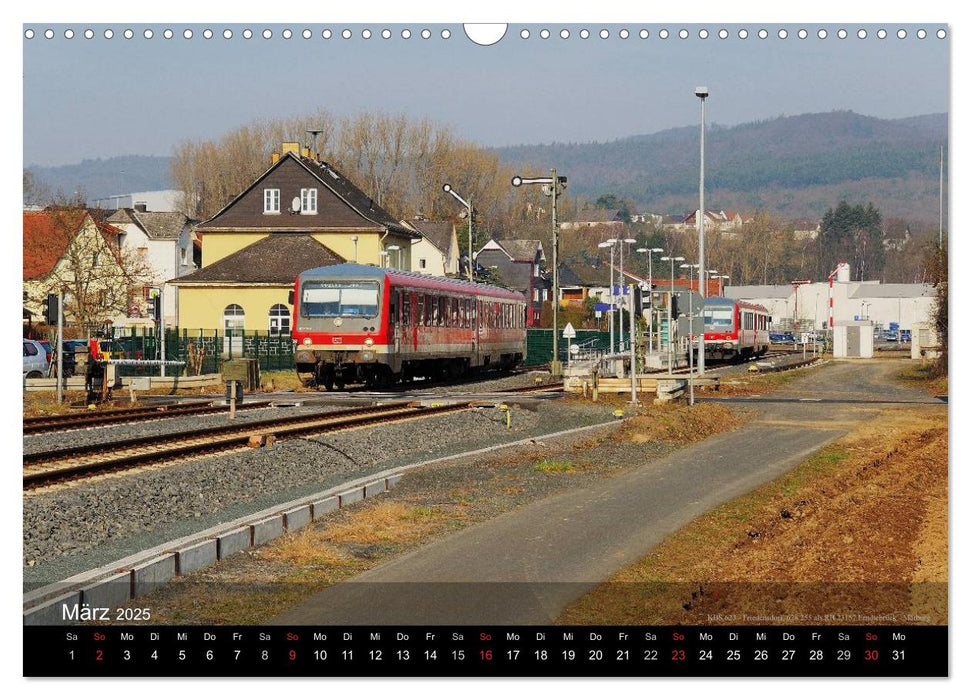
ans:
(588, 218)
(68, 251)
(299, 199)
(580, 282)
(163, 239)
(437, 251)
(517, 265)
(728, 222)
(805, 229)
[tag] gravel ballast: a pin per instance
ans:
(166, 426)
(72, 529)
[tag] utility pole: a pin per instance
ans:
(58, 346)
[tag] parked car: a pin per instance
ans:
(35, 359)
(782, 338)
(904, 336)
(47, 349)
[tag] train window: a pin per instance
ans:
(747, 321)
(718, 318)
(406, 309)
(331, 299)
(420, 316)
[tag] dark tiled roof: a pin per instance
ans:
(341, 205)
(522, 250)
(598, 216)
(157, 225)
(352, 194)
(439, 233)
(276, 259)
(577, 275)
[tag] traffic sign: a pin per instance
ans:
(569, 332)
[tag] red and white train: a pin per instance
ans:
(735, 329)
(360, 323)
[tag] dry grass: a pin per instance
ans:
(758, 383)
(386, 522)
(679, 423)
(280, 380)
(308, 547)
(924, 375)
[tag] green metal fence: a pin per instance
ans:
(274, 352)
(539, 344)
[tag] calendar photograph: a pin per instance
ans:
(442, 349)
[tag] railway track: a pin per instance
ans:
(533, 389)
(47, 424)
(44, 468)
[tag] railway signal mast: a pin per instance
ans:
(552, 187)
(468, 205)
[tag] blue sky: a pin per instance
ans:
(86, 98)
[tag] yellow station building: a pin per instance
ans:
(300, 214)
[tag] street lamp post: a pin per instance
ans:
(609, 243)
(468, 205)
(650, 290)
(691, 279)
(552, 187)
(724, 279)
(620, 340)
(702, 94)
(670, 302)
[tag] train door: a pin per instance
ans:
(395, 317)
(476, 330)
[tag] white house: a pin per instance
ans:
(437, 252)
(164, 239)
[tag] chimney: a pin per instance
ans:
(141, 206)
(290, 147)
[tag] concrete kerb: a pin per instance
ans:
(232, 537)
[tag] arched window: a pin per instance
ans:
(234, 320)
(280, 320)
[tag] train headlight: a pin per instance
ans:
(727, 346)
(369, 341)
(306, 341)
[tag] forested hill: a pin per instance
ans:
(102, 177)
(794, 167)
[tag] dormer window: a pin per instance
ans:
(271, 201)
(536, 270)
(308, 200)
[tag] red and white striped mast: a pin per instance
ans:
(831, 276)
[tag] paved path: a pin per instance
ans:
(525, 566)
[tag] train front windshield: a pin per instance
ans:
(718, 319)
(343, 299)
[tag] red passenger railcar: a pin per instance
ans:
(735, 329)
(359, 323)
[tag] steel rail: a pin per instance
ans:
(44, 424)
(128, 454)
